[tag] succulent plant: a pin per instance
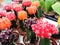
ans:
(7, 37)
(29, 22)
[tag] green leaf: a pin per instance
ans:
(32, 0)
(39, 12)
(44, 41)
(42, 3)
(48, 4)
(56, 7)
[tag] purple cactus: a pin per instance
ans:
(29, 22)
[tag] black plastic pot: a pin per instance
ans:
(51, 17)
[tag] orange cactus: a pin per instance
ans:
(59, 21)
(4, 23)
(31, 9)
(22, 15)
(7, 22)
(1, 23)
(36, 3)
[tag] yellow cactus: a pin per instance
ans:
(59, 21)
